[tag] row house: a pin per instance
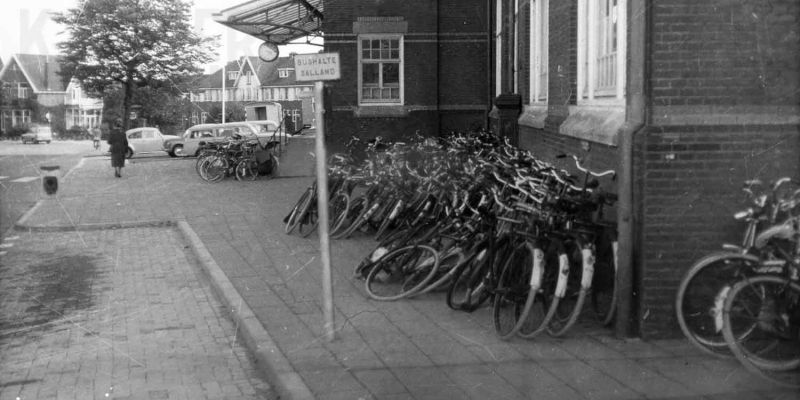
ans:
(684, 99)
(35, 92)
(250, 80)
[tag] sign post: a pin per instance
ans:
(318, 68)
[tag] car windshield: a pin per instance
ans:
(40, 129)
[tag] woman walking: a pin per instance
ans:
(118, 145)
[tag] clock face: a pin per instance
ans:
(268, 51)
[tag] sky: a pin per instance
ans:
(26, 27)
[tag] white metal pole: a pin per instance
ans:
(322, 206)
(224, 64)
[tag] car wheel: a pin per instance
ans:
(177, 151)
(48, 142)
(129, 153)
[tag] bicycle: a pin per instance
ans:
(761, 312)
(705, 285)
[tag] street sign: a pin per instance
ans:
(317, 67)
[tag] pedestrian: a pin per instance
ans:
(96, 134)
(118, 145)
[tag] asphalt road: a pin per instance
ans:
(20, 172)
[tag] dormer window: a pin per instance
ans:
(232, 75)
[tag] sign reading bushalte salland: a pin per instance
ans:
(317, 67)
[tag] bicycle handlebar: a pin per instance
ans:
(587, 170)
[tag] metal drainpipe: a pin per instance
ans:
(626, 205)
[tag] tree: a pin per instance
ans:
(130, 43)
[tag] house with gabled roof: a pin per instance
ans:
(250, 80)
(35, 92)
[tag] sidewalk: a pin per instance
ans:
(412, 349)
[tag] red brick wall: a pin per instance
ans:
(735, 61)
(445, 67)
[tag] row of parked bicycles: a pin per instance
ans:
(744, 300)
(243, 158)
(478, 220)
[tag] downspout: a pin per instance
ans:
(627, 204)
(489, 61)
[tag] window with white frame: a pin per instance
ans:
(23, 91)
(20, 117)
(601, 50)
(539, 39)
(284, 72)
(380, 69)
(232, 75)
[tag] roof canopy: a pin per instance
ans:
(277, 21)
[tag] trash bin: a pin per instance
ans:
(50, 175)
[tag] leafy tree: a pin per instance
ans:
(128, 44)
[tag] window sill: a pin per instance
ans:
(595, 123)
(383, 111)
(533, 116)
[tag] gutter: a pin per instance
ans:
(627, 205)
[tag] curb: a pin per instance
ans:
(270, 359)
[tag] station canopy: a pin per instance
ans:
(277, 21)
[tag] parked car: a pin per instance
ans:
(38, 133)
(146, 140)
(197, 136)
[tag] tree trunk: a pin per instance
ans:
(126, 102)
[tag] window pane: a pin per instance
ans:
(369, 74)
(391, 73)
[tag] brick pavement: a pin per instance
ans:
(415, 349)
(115, 313)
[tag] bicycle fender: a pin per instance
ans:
(783, 231)
(563, 275)
(588, 268)
(538, 269)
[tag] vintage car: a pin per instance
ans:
(37, 133)
(146, 140)
(197, 136)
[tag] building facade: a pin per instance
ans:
(685, 99)
(411, 66)
(34, 92)
(250, 80)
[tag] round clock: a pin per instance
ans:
(268, 51)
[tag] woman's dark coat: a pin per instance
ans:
(118, 144)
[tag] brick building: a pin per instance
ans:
(248, 81)
(33, 89)
(685, 99)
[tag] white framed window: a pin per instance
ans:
(284, 72)
(380, 69)
(602, 27)
(539, 39)
(23, 91)
(232, 75)
(20, 117)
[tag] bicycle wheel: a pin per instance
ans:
(467, 292)
(603, 296)
(214, 169)
(539, 315)
(701, 295)
(299, 209)
(246, 169)
(309, 220)
(513, 297)
(448, 264)
(761, 325)
(394, 211)
(387, 279)
(581, 268)
(358, 208)
(340, 206)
